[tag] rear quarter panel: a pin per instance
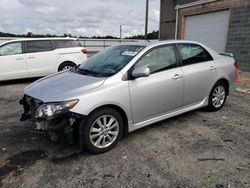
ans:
(226, 69)
(71, 54)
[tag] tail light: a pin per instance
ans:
(236, 65)
(84, 51)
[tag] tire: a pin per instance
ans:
(102, 140)
(66, 66)
(217, 96)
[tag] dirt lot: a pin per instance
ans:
(197, 149)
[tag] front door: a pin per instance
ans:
(162, 91)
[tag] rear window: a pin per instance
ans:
(39, 46)
(67, 43)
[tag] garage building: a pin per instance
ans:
(224, 25)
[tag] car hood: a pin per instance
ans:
(62, 86)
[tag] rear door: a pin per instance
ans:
(199, 71)
(12, 61)
(41, 57)
(162, 91)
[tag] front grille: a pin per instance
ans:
(33, 108)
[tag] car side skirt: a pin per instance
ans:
(132, 127)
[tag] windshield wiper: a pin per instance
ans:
(86, 71)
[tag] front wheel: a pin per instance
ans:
(217, 97)
(102, 130)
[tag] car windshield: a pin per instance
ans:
(110, 61)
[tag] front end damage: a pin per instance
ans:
(55, 119)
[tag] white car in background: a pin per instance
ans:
(25, 58)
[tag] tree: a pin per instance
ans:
(29, 34)
(150, 36)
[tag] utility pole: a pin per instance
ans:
(121, 32)
(146, 20)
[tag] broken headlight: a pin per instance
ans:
(51, 110)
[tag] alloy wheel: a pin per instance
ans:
(104, 131)
(67, 67)
(218, 97)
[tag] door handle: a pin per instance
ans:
(31, 57)
(177, 76)
(20, 58)
(212, 68)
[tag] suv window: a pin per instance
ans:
(11, 49)
(159, 59)
(67, 43)
(39, 46)
(193, 53)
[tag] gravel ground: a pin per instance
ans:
(196, 149)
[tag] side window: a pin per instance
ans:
(11, 49)
(193, 53)
(39, 46)
(158, 59)
(67, 43)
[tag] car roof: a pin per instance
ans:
(34, 39)
(158, 42)
(139, 43)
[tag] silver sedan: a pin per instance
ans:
(127, 87)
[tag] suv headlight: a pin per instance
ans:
(50, 110)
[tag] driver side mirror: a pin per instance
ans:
(141, 72)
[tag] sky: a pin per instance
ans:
(78, 17)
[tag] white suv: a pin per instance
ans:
(24, 58)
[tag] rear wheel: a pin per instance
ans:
(217, 97)
(66, 66)
(102, 130)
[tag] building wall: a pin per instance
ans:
(181, 2)
(238, 40)
(167, 17)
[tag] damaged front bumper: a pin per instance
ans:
(62, 127)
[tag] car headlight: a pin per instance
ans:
(50, 110)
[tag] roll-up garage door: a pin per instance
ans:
(210, 29)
